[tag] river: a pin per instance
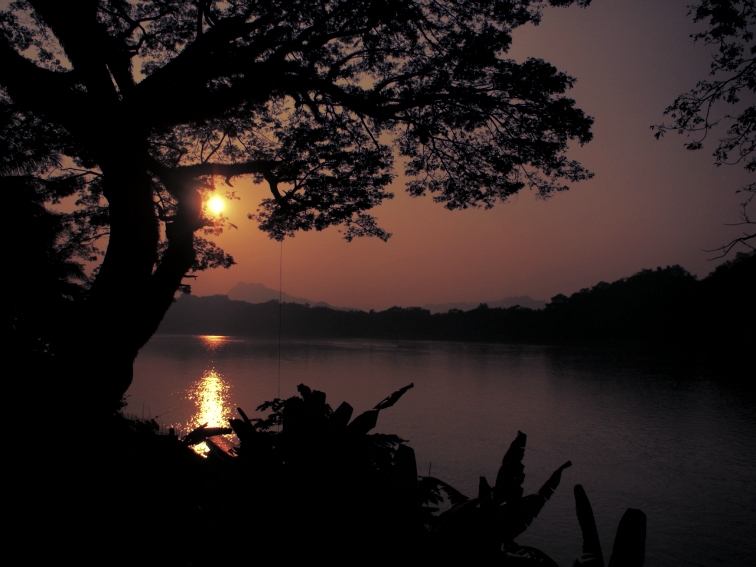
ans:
(681, 446)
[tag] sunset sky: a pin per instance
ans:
(652, 203)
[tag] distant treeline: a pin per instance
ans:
(666, 306)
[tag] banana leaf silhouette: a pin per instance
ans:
(368, 420)
(429, 491)
(243, 428)
(405, 466)
(511, 473)
(216, 452)
(630, 542)
(592, 556)
(393, 398)
(484, 489)
(629, 548)
(244, 416)
(499, 513)
(342, 415)
(515, 517)
(405, 480)
(363, 423)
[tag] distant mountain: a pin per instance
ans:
(259, 293)
(506, 303)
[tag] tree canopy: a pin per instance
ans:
(139, 109)
(732, 84)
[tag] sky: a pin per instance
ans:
(651, 203)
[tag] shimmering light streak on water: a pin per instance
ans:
(210, 397)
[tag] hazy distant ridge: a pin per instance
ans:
(521, 300)
(260, 293)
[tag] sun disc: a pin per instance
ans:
(215, 204)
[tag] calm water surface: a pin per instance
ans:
(680, 447)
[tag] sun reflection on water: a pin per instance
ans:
(210, 397)
(212, 342)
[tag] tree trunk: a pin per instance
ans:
(130, 295)
(92, 361)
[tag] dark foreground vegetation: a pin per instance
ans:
(663, 308)
(307, 483)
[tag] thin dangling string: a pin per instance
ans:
(280, 314)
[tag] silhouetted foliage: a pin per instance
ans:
(362, 487)
(147, 103)
(353, 480)
(730, 28)
(324, 454)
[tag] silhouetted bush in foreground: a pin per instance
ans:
(306, 483)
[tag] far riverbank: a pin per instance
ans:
(664, 312)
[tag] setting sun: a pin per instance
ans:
(215, 204)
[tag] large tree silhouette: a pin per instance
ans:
(139, 109)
